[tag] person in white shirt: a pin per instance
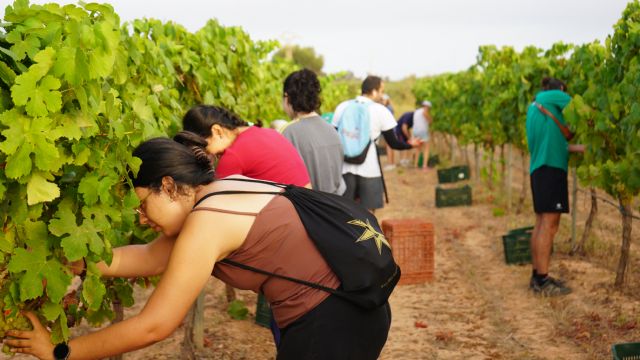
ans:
(364, 181)
(421, 121)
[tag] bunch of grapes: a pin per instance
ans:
(18, 322)
(9, 320)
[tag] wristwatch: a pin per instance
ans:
(61, 351)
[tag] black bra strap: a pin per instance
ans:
(231, 192)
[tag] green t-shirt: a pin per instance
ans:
(547, 145)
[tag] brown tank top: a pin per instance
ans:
(278, 242)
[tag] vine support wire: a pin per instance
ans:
(617, 206)
(603, 199)
(576, 188)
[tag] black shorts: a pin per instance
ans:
(368, 190)
(336, 329)
(550, 190)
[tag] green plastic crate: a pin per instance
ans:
(521, 230)
(453, 197)
(630, 351)
(263, 312)
(517, 247)
(453, 174)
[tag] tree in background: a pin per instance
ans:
(305, 57)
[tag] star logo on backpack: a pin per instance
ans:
(370, 233)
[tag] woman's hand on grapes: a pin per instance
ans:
(36, 342)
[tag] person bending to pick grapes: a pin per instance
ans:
(203, 234)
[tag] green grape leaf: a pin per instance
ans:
(47, 156)
(72, 65)
(60, 330)
(52, 310)
(36, 235)
(57, 280)
(7, 241)
(22, 47)
(141, 109)
(101, 63)
(74, 245)
(40, 190)
(93, 291)
(40, 99)
(89, 187)
(19, 164)
(14, 135)
(64, 221)
(67, 128)
(31, 262)
(7, 75)
(3, 189)
(125, 293)
(131, 199)
(238, 310)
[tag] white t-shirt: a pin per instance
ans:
(420, 125)
(381, 120)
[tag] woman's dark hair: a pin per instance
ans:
(199, 119)
(549, 83)
(303, 90)
(370, 83)
(164, 157)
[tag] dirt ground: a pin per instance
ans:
(477, 307)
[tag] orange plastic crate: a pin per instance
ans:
(413, 248)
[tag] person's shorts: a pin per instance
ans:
(336, 329)
(550, 190)
(422, 135)
(368, 190)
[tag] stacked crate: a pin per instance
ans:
(412, 244)
(453, 196)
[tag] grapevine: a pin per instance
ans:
(78, 92)
(486, 105)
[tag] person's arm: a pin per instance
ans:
(139, 260)
(405, 130)
(577, 148)
(190, 264)
(393, 141)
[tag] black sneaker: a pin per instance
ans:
(551, 287)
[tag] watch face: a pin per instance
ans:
(61, 351)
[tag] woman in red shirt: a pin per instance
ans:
(246, 150)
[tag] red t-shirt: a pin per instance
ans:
(263, 154)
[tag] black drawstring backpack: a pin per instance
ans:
(347, 236)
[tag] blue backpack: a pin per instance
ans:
(354, 130)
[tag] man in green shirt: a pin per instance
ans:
(549, 152)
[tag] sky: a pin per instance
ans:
(396, 38)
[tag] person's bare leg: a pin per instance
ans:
(390, 156)
(425, 156)
(544, 241)
(533, 242)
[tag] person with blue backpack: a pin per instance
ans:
(360, 122)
